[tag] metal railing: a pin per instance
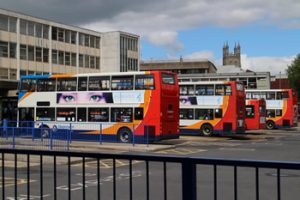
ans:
(186, 169)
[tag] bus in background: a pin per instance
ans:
(209, 108)
(281, 106)
(255, 114)
(139, 104)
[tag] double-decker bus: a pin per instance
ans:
(125, 104)
(208, 108)
(281, 106)
(255, 114)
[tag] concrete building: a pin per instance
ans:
(180, 66)
(31, 45)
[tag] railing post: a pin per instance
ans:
(51, 139)
(13, 137)
(42, 131)
(189, 179)
(133, 135)
(70, 133)
(5, 128)
(32, 133)
(100, 134)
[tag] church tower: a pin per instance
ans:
(232, 58)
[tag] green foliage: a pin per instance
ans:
(293, 72)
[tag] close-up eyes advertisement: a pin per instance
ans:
(91, 97)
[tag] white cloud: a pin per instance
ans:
(209, 55)
(275, 65)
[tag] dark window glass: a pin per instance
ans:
(98, 83)
(31, 53)
(92, 62)
(87, 61)
(66, 114)
(205, 90)
(97, 63)
(98, 42)
(28, 85)
(218, 113)
(61, 35)
(187, 90)
(98, 114)
(73, 59)
(54, 57)
(66, 84)
(250, 111)
(270, 113)
(54, 33)
(278, 113)
(186, 114)
(67, 36)
(45, 31)
(282, 95)
(45, 114)
(3, 49)
(270, 96)
(23, 27)
(12, 50)
(121, 114)
(30, 28)
(38, 54)
(67, 58)
(204, 114)
(12, 24)
(3, 22)
(138, 113)
(61, 57)
(46, 85)
(45, 55)
(122, 83)
(82, 83)
(38, 30)
(144, 82)
(87, 40)
(81, 114)
(168, 79)
(73, 37)
(81, 60)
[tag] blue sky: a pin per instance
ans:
(267, 30)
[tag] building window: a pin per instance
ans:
(54, 57)
(87, 61)
(45, 55)
(23, 52)
(31, 53)
(61, 57)
(67, 58)
(23, 27)
(45, 31)
(81, 39)
(3, 49)
(97, 63)
(38, 54)
(73, 37)
(12, 50)
(87, 40)
(92, 62)
(12, 24)
(67, 36)
(30, 28)
(81, 60)
(61, 35)
(98, 42)
(54, 33)
(38, 30)
(73, 59)
(3, 22)
(92, 41)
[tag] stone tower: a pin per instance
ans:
(232, 58)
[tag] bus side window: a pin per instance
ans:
(270, 113)
(121, 114)
(278, 113)
(81, 114)
(122, 83)
(218, 113)
(66, 84)
(138, 113)
(65, 114)
(144, 82)
(186, 114)
(82, 83)
(98, 114)
(204, 114)
(249, 111)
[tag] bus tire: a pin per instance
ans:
(270, 125)
(124, 135)
(45, 131)
(207, 130)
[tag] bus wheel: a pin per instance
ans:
(45, 131)
(207, 130)
(270, 125)
(124, 135)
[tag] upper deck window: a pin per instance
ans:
(144, 82)
(223, 90)
(66, 84)
(28, 85)
(168, 79)
(282, 95)
(122, 83)
(45, 85)
(205, 89)
(187, 90)
(99, 83)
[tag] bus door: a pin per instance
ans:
(26, 117)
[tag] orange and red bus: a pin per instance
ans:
(255, 114)
(281, 106)
(126, 105)
(209, 108)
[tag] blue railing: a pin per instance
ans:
(188, 186)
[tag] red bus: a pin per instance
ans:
(126, 105)
(281, 106)
(209, 108)
(255, 114)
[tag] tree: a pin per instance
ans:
(293, 72)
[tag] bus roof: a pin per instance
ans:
(204, 82)
(90, 74)
(267, 90)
